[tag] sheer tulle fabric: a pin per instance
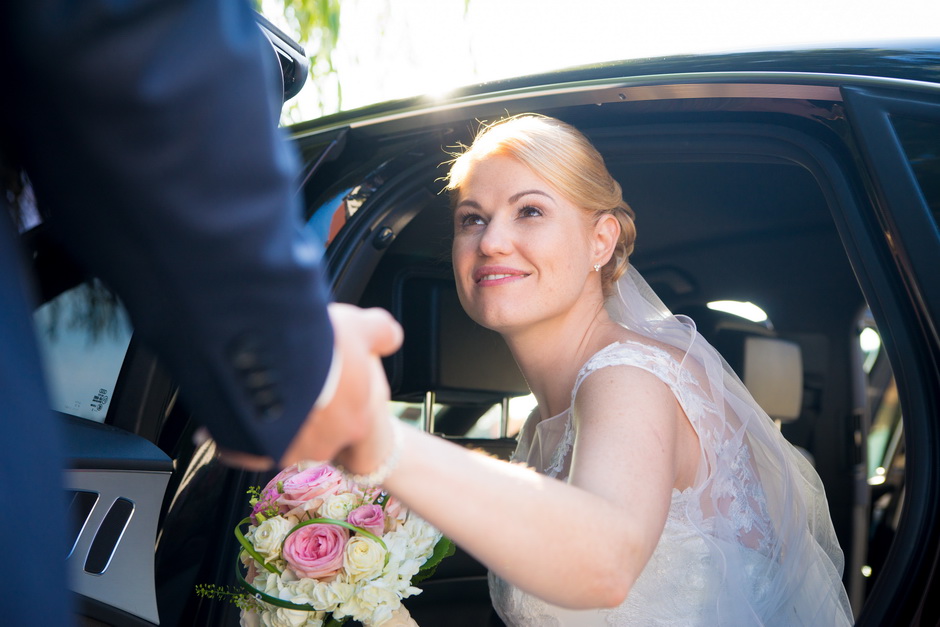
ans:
(750, 543)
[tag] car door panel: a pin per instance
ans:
(117, 481)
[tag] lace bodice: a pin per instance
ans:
(681, 583)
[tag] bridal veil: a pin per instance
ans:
(770, 501)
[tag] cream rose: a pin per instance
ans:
(249, 618)
(364, 558)
(399, 618)
(338, 506)
(268, 537)
(329, 596)
(375, 602)
(423, 535)
(282, 617)
(298, 590)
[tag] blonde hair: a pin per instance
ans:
(564, 157)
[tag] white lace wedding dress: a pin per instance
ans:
(720, 560)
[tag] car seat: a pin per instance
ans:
(448, 358)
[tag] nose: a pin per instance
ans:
(496, 239)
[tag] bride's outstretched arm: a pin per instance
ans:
(577, 545)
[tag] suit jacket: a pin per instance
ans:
(148, 129)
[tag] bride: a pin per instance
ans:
(652, 489)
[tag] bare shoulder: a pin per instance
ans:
(619, 391)
(628, 424)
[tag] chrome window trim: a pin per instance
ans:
(781, 85)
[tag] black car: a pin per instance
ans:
(806, 182)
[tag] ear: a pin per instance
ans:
(606, 233)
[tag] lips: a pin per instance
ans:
(494, 275)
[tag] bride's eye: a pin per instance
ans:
(529, 211)
(469, 219)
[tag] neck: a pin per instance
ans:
(551, 353)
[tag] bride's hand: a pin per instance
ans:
(376, 451)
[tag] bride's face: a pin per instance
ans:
(522, 253)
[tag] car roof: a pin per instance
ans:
(916, 61)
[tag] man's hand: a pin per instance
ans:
(362, 336)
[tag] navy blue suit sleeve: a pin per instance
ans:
(149, 131)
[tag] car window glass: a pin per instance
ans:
(486, 426)
(921, 143)
(329, 218)
(83, 335)
(411, 413)
(886, 458)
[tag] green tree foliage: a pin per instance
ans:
(316, 24)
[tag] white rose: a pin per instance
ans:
(399, 618)
(362, 605)
(404, 561)
(405, 570)
(249, 618)
(377, 601)
(281, 617)
(364, 558)
(423, 536)
(268, 537)
(272, 585)
(338, 506)
(261, 579)
(298, 591)
(329, 596)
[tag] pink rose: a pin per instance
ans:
(316, 551)
(368, 517)
(394, 509)
(305, 491)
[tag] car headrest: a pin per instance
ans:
(446, 352)
(773, 373)
(770, 367)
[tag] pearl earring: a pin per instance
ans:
(597, 267)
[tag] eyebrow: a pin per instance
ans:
(538, 192)
(514, 198)
(468, 203)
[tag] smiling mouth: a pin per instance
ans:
(494, 277)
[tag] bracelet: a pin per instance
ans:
(380, 474)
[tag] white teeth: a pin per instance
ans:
(493, 277)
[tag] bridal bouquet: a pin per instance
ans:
(320, 549)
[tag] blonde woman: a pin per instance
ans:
(682, 503)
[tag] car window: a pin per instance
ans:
(488, 426)
(921, 143)
(485, 424)
(83, 335)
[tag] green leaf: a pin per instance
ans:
(444, 548)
